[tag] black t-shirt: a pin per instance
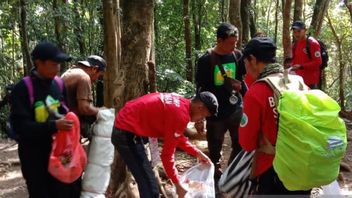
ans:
(209, 78)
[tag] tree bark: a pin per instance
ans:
(245, 4)
(341, 62)
(349, 8)
(112, 49)
(320, 9)
(298, 10)
(197, 10)
(78, 29)
(286, 38)
(276, 19)
(132, 80)
(59, 28)
(27, 61)
(188, 40)
(235, 18)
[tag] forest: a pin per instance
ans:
(154, 45)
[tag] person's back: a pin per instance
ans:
(78, 87)
(78, 81)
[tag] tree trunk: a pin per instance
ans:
(320, 9)
(341, 63)
(78, 29)
(59, 28)
(252, 24)
(286, 38)
(245, 4)
(112, 49)
(349, 8)
(132, 78)
(188, 40)
(235, 18)
(222, 10)
(27, 61)
(276, 19)
(197, 10)
(298, 10)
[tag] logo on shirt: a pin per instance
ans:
(172, 98)
(230, 70)
(244, 120)
(317, 54)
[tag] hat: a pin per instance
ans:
(48, 51)
(298, 25)
(209, 101)
(263, 48)
(226, 30)
(94, 60)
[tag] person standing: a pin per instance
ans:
(216, 63)
(160, 115)
(306, 55)
(78, 81)
(260, 119)
(34, 127)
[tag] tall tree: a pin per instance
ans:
(342, 64)
(349, 7)
(112, 49)
(137, 24)
(245, 6)
(188, 40)
(298, 10)
(276, 20)
(59, 27)
(235, 18)
(78, 28)
(27, 61)
(320, 9)
(197, 10)
(286, 39)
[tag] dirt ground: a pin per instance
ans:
(12, 184)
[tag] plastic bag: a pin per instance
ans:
(68, 158)
(199, 181)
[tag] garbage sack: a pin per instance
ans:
(68, 158)
(199, 181)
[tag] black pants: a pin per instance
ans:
(215, 136)
(34, 159)
(131, 148)
(270, 184)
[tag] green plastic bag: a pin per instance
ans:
(311, 139)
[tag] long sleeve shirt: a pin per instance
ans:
(310, 70)
(160, 115)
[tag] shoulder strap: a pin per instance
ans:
(28, 82)
(308, 47)
(59, 83)
(280, 82)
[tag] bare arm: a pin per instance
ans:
(85, 107)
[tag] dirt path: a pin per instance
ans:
(12, 184)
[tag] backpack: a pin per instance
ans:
(311, 138)
(323, 52)
(10, 132)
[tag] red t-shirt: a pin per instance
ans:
(311, 67)
(260, 116)
(161, 115)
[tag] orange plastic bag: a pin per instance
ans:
(68, 158)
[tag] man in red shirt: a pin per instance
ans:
(161, 115)
(259, 121)
(304, 64)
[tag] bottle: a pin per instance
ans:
(40, 113)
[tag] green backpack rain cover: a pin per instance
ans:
(311, 137)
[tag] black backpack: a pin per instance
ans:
(323, 52)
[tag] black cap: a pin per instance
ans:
(94, 60)
(226, 30)
(298, 25)
(263, 48)
(48, 51)
(209, 101)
